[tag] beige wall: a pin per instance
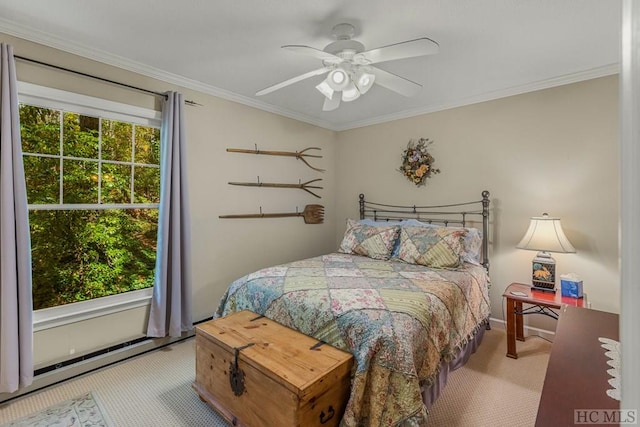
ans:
(222, 249)
(554, 151)
(550, 151)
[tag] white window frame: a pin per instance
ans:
(46, 97)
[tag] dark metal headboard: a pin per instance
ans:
(455, 214)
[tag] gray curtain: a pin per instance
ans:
(16, 310)
(171, 302)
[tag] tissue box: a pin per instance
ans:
(571, 288)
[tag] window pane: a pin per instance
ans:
(80, 136)
(147, 145)
(42, 175)
(40, 130)
(80, 181)
(146, 185)
(116, 140)
(84, 254)
(116, 183)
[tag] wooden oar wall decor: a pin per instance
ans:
(303, 185)
(300, 155)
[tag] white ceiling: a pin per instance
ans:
(231, 48)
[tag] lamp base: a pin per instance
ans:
(538, 287)
(543, 276)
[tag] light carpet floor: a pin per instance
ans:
(492, 389)
(155, 389)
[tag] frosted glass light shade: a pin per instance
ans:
(350, 93)
(338, 79)
(364, 81)
(325, 89)
(545, 234)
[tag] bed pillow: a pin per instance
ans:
(378, 223)
(472, 243)
(472, 246)
(435, 247)
(396, 245)
(369, 240)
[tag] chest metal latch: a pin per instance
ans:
(236, 375)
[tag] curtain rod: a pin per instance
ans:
(57, 67)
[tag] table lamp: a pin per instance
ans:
(545, 235)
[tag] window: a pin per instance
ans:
(92, 170)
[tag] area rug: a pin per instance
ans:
(83, 411)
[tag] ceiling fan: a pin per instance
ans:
(350, 70)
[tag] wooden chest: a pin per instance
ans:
(280, 377)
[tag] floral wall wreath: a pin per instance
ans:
(417, 163)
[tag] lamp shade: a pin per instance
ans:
(545, 234)
(325, 89)
(350, 93)
(338, 79)
(364, 80)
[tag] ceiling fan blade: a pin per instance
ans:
(316, 53)
(408, 49)
(331, 104)
(396, 83)
(293, 80)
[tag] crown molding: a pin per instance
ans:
(594, 73)
(107, 58)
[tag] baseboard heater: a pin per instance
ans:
(59, 372)
(88, 356)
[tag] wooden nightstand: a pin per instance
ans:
(540, 303)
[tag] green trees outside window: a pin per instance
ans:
(93, 187)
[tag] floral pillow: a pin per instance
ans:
(471, 245)
(436, 247)
(372, 241)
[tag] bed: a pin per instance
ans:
(406, 293)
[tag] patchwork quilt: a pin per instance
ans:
(399, 321)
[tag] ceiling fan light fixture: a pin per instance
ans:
(325, 89)
(350, 93)
(338, 79)
(364, 81)
(350, 69)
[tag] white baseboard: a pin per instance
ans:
(528, 330)
(67, 372)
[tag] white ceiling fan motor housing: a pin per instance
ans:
(344, 47)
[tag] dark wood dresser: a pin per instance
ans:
(577, 375)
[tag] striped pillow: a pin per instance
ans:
(436, 247)
(372, 241)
